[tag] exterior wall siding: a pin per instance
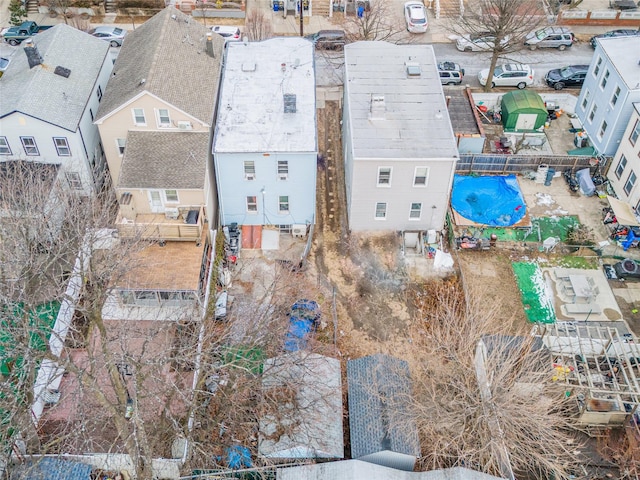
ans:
(617, 175)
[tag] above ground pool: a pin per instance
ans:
(488, 200)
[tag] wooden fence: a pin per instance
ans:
(503, 164)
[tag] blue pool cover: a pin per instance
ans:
(494, 200)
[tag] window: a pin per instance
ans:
(99, 93)
(121, 142)
(585, 100)
(635, 133)
(631, 181)
(73, 178)
(138, 116)
(381, 211)
(283, 169)
(384, 176)
(596, 69)
(594, 109)
(420, 177)
(603, 129)
(249, 170)
(156, 200)
(62, 146)
(283, 204)
(416, 211)
(622, 164)
(29, 145)
(171, 196)
(91, 114)
(164, 120)
(252, 204)
(614, 99)
(4, 146)
(605, 79)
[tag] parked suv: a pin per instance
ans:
(550, 37)
(328, 39)
(508, 75)
(450, 73)
(569, 76)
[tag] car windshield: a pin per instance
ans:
(566, 72)
(540, 34)
(417, 14)
(498, 71)
(3, 63)
(117, 31)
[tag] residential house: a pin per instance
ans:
(155, 121)
(381, 428)
(611, 87)
(625, 167)
(399, 148)
(309, 425)
(50, 94)
(265, 147)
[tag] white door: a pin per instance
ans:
(526, 121)
(155, 200)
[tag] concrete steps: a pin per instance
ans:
(449, 8)
(110, 6)
(32, 7)
(321, 8)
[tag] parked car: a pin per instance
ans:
(450, 73)
(229, 32)
(113, 35)
(15, 35)
(550, 37)
(627, 268)
(508, 75)
(303, 320)
(569, 76)
(328, 39)
(478, 42)
(4, 63)
(416, 17)
(623, 32)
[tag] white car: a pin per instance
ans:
(229, 32)
(416, 16)
(478, 42)
(508, 75)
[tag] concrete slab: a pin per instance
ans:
(270, 239)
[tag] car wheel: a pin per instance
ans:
(559, 86)
(493, 84)
(451, 83)
(13, 42)
(521, 85)
(629, 266)
(468, 49)
(532, 47)
(113, 43)
(562, 47)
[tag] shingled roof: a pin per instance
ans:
(166, 57)
(379, 395)
(165, 160)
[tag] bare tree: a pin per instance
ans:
(375, 23)
(506, 21)
(257, 26)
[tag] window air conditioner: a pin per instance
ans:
(299, 231)
(183, 125)
(250, 176)
(282, 176)
(171, 213)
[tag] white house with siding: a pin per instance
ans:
(399, 148)
(265, 147)
(625, 168)
(49, 95)
(610, 89)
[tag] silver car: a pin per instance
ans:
(478, 42)
(113, 35)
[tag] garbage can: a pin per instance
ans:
(275, 5)
(550, 173)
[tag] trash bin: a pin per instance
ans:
(275, 6)
(550, 173)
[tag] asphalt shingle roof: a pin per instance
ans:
(166, 56)
(39, 92)
(173, 160)
(379, 395)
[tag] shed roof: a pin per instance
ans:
(52, 469)
(41, 93)
(174, 160)
(262, 80)
(379, 396)
(522, 101)
(166, 56)
(623, 55)
(415, 121)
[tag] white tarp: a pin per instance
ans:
(623, 212)
(442, 260)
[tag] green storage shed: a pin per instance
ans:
(522, 111)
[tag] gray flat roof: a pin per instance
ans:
(415, 123)
(257, 78)
(623, 54)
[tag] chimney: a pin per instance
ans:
(289, 103)
(377, 108)
(33, 56)
(209, 47)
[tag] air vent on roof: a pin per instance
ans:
(413, 69)
(63, 72)
(249, 67)
(33, 56)
(289, 103)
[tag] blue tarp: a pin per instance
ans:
(488, 200)
(302, 321)
(238, 457)
(55, 469)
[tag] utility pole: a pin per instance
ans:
(301, 15)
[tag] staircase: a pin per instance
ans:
(448, 8)
(32, 7)
(320, 8)
(110, 6)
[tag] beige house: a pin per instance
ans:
(155, 120)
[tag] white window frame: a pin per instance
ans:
(592, 113)
(382, 184)
(159, 118)
(283, 203)
(630, 183)
(252, 205)
(605, 79)
(416, 177)
(155, 201)
(283, 169)
(61, 145)
(622, 165)
(33, 146)
(136, 116)
(249, 168)
(168, 196)
(121, 144)
(603, 129)
(585, 99)
(412, 217)
(596, 68)
(614, 97)
(74, 180)
(635, 133)
(383, 210)
(5, 149)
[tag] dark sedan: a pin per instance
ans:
(623, 32)
(569, 76)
